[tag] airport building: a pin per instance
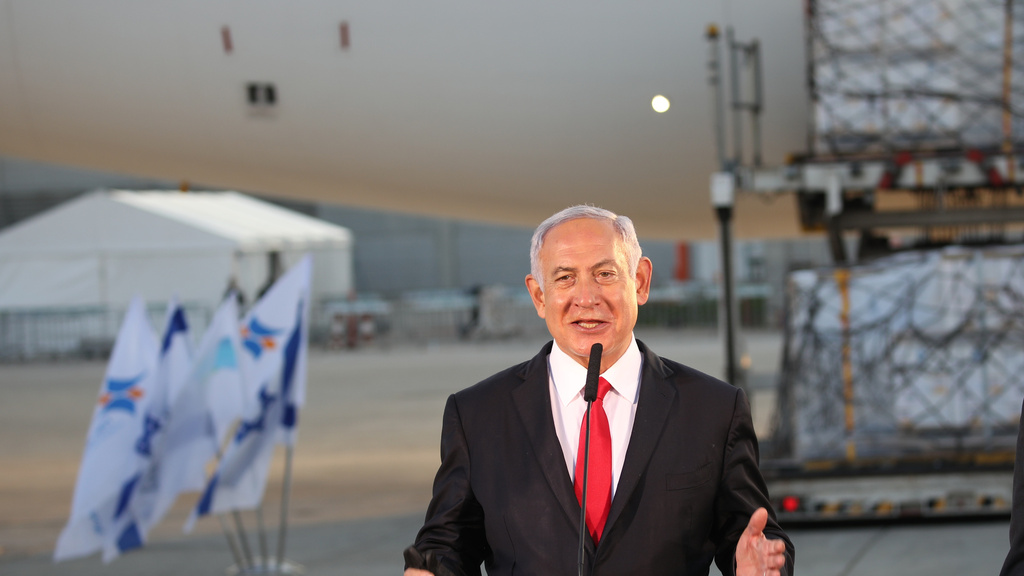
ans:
(404, 261)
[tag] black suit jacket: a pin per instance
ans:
(690, 481)
(1013, 565)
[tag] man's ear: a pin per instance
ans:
(644, 272)
(536, 294)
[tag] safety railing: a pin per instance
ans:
(491, 313)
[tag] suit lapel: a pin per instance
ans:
(532, 400)
(657, 397)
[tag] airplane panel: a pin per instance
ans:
(502, 113)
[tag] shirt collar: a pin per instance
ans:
(569, 376)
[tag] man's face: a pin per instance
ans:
(589, 295)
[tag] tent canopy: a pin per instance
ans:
(104, 247)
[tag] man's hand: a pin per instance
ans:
(756, 555)
(415, 572)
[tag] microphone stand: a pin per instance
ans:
(589, 396)
(583, 499)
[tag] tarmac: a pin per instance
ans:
(363, 466)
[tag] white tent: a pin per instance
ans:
(101, 248)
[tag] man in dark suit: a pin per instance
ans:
(1013, 565)
(681, 453)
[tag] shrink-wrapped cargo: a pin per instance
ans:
(918, 353)
(915, 75)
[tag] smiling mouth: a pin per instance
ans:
(588, 324)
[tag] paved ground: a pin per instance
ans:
(363, 466)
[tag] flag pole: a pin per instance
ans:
(243, 537)
(285, 491)
(232, 543)
(264, 556)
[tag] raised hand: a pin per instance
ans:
(756, 555)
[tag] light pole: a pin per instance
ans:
(723, 192)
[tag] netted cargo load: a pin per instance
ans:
(915, 74)
(916, 354)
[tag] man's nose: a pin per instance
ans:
(587, 294)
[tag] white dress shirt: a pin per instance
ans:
(566, 379)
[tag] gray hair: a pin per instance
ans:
(622, 224)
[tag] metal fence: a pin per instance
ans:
(494, 312)
(83, 332)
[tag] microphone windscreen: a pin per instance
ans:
(593, 373)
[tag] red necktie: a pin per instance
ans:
(599, 478)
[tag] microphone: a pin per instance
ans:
(593, 373)
(589, 396)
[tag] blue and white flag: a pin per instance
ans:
(267, 326)
(143, 506)
(175, 353)
(208, 403)
(217, 383)
(275, 342)
(110, 462)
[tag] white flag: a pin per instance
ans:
(147, 503)
(217, 377)
(275, 335)
(267, 326)
(209, 401)
(110, 462)
(138, 510)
